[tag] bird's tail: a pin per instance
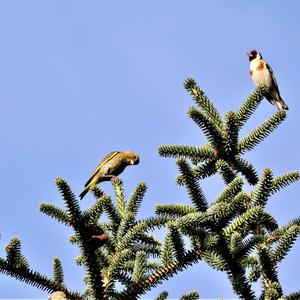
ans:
(84, 192)
(281, 105)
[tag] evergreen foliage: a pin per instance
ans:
(234, 233)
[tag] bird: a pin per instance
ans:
(58, 296)
(110, 167)
(262, 74)
(95, 236)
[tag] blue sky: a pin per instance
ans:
(80, 79)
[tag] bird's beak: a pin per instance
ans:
(135, 162)
(249, 54)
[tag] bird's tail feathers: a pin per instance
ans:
(83, 193)
(281, 105)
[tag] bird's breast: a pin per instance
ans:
(259, 73)
(260, 65)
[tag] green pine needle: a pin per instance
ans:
(95, 211)
(136, 198)
(227, 173)
(203, 101)
(72, 204)
(56, 213)
(263, 188)
(284, 180)
(261, 132)
(194, 295)
(285, 243)
(177, 241)
(167, 249)
(111, 211)
(231, 132)
(231, 190)
(250, 105)
(140, 266)
(215, 260)
(162, 296)
(202, 171)
(246, 168)
(58, 274)
(120, 196)
(293, 296)
(193, 188)
(212, 132)
(174, 210)
(247, 218)
(196, 154)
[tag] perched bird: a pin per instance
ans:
(262, 74)
(58, 296)
(95, 236)
(110, 167)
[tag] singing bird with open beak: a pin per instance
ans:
(110, 167)
(262, 74)
(58, 296)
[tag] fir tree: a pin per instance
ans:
(235, 233)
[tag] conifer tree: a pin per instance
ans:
(235, 233)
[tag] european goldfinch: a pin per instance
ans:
(262, 74)
(110, 167)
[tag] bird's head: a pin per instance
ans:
(132, 158)
(253, 54)
(58, 296)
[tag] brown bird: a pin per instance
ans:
(95, 236)
(97, 241)
(262, 74)
(58, 296)
(110, 167)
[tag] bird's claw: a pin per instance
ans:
(114, 178)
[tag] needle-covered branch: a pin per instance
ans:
(261, 132)
(15, 265)
(195, 192)
(203, 101)
(196, 154)
(249, 106)
(162, 273)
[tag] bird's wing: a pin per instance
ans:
(273, 78)
(105, 160)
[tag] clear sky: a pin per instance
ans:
(79, 79)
